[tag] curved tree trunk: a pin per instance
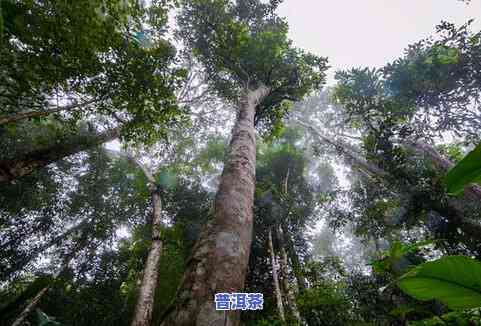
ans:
(220, 257)
(145, 302)
(470, 192)
(275, 279)
(27, 163)
(355, 159)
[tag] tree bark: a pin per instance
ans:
(145, 302)
(275, 278)
(220, 257)
(12, 169)
(291, 297)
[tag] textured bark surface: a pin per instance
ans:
(220, 257)
(145, 301)
(275, 279)
(288, 288)
(20, 166)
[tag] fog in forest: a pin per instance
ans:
(221, 162)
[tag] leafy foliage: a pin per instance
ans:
(468, 170)
(52, 58)
(453, 280)
(244, 45)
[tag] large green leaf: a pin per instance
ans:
(466, 171)
(453, 280)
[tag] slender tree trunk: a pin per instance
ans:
(458, 206)
(286, 240)
(220, 257)
(36, 300)
(145, 302)
(296, 264)
(30, 307)
(275, 279)
(14, 168)
(291, 297)
(355, 159)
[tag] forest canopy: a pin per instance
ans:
(187, 163)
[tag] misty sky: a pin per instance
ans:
(369, 32)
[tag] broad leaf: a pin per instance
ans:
(465, 172)
(453, 280)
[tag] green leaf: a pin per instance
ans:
(44, 320)
(465, 172)
(453, 280)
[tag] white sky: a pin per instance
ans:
(370, 33)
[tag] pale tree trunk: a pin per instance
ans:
(220, 257)
(150, 276)
(291, 297)
(275, 279)
(12, 169)
(36, 114)
(36, 300)
(30, 307)
(145, 302)
(346, 150)
(457, 206)
(286, 240)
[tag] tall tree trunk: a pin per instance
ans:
(275, 278)
(145, 302)
(12, 169)
(291, 297)
(221, 255)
